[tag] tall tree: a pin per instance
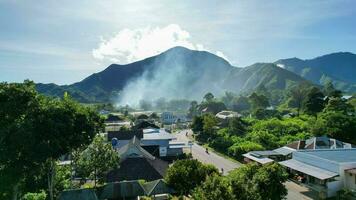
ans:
(241, 103)
(297, 96)
(214, 188)
(95, 161)
(314, 101)
(36, 130)
(253, 182)
(185, 175)
(258, 101)
(330, 91)
(208, 97)
(193, 110)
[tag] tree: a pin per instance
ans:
(209, 124)
(35, 131)
(336, 125)
(208, 97)
(212, 107)
(337, 104)
(96, 160)
(240, 148)
(253, 182)
(185, 175)
(297, 97)
(197, 124)
(193, 110)
(237, 126)
(258, 101)
(330, 91)
(228, 99)
(241, 103)
(214, 188)
(314, 101)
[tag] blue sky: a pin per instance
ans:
(65, 41)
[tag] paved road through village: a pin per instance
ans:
(199, 153)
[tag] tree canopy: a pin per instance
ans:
(34, 129)
(185, 175)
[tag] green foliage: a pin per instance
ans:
(62, 179)
(35, 129)
(240, 104)
(253, 182)
(237, 126)
(185, 175)
(330, 91)
(258, 101)
(240, 148)
(314, 101)
(337, 104)
(35, 196)
(210, 122)
(296, 96)
(208, 97)
(197, 124)
(346, 194)
(336, 125)
(96, 160)
(264, 138)
(214, 188)
(212, 106)
(261, 113)
(193, 110)
(280, 127)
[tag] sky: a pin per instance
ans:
(65, 41)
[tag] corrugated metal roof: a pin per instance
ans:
(284, 150)
(259, 160)
(158, 136)
(319, 173)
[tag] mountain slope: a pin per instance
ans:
(175, 74)
(269, 75)
(340, 68)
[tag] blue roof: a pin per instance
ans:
(334, 155)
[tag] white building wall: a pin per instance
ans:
(349, 181)
(334, 187)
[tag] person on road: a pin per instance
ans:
(207, 150)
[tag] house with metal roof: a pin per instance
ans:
(161, 143)
(285, 152)
(136, 163)
(324, 170)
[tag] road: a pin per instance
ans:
(199, 153)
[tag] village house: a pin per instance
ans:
(325, 171)
(285, 152)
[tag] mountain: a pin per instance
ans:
(340, 68)
(174, 74)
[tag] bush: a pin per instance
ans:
(238, 149)
(35, 196)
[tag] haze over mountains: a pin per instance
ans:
(180, 73)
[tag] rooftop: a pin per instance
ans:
(158, 136)
(334, 155)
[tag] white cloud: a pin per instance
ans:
(131, 45)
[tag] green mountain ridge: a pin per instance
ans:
(339, 68)
(183, 73)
